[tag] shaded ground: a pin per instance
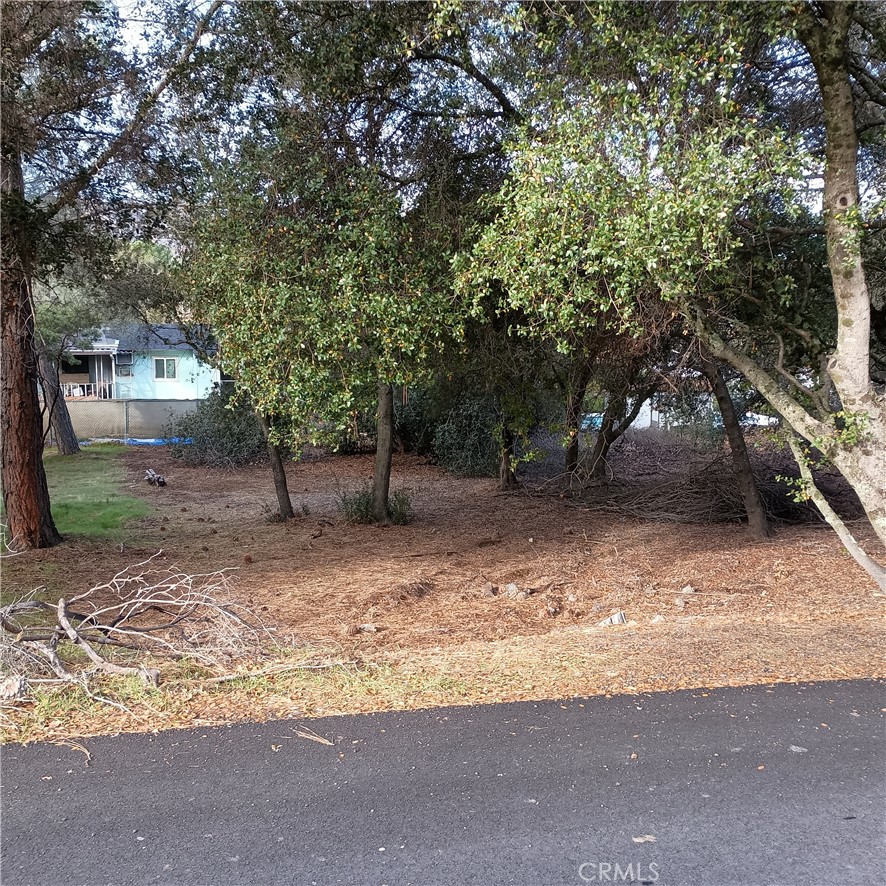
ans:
(795, 607)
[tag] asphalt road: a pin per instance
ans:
(768, 785)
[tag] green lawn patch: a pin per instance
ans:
(86, 492)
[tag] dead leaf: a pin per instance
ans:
(646, 838)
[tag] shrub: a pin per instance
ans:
(400, 508)
(357, 436)
(416, 421)
(356, 507)
(466, 442)
(218, 434)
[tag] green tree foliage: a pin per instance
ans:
(627, 194)
(634, 186)
(317, 285)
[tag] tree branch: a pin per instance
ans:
(797, 417)
(149, 675)
(777, 234)
(468, 67)
(631, 417)
(874, 91)
(69, 190)
(789, 377)
(873, 569)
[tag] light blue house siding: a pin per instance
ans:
(192, 380)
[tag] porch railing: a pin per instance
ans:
(86, 391)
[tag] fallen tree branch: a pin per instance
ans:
(199, 621)
(54, 662)
(873, 569)
(149, 675)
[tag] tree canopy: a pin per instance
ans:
(318, 286)
(348, 187)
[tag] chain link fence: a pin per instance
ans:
(122, 419)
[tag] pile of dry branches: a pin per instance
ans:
(143, 615)
(707, 494)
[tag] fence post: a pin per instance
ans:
(125, 420)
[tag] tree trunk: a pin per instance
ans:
(59, 417)
(284, 502)
(606, 436)
(384, 450)
(615, 423)
(25, 492)
(507, 476)
(873, 569)
(824, 30)
(574, 401)
(741, 463)
(864, 466)
(827, 46)
(863, 463)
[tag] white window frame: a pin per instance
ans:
(165, 360)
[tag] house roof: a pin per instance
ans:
(139, 337)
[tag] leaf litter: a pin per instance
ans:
(789, 609)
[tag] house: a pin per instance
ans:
(139, 362)
(649, 416)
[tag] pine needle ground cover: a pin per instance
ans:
(483, 597)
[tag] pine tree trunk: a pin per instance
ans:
(384, 450)
(59, 417)
(741, 463)
(281, 487)
(25, 492)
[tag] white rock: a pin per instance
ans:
(617, 618)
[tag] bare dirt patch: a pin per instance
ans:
(429, 606)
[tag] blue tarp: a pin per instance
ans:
(592, 421)
(158, 441)
(135, 441)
